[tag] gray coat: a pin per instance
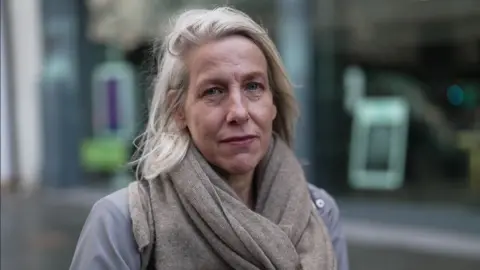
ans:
(106, 241)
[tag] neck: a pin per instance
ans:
(242, 185)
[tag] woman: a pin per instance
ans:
(220, 186)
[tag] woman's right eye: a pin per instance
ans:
(213, 91)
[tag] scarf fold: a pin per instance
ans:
(194, 220)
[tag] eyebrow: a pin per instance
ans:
(255, 74)
(214, 77)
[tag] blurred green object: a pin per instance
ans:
(472, 99)
(106, 154)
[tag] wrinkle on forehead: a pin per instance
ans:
(234, 56)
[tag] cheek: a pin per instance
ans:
(264, 113)
(202, 124)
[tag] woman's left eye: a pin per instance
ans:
(252, 86)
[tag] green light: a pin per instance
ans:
(471, 96)
(104, 154)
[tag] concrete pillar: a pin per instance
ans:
(26, 50)
(330, 124)
(294, 40)
(61, 94)
(6, 157)
(70, 58)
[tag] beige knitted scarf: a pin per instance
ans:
(191, 219)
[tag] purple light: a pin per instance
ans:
(112, 104)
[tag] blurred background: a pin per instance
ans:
(390, 100)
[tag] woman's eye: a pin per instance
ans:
(252, 86)
(213, 91)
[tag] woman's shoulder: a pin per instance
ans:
(106, 237)
(328, 210)
(321, 197)
(115, 203)
(325, 204)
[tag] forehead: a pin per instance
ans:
(234, 55)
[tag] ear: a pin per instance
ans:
(179, 116)
(274, 111)
(178, 113)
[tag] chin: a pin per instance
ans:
(241, 166)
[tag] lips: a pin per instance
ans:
(239, 139)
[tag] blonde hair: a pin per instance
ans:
(163, 145)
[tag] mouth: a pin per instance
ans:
(239, 139)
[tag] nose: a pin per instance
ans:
(237, 108)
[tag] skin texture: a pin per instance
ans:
(229, 97)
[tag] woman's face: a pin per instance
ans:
(229, 108)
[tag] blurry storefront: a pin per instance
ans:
(426, 53)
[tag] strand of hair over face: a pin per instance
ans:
(162, 145)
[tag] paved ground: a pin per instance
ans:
(40, 232)
(380, 258)
(444, 216)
